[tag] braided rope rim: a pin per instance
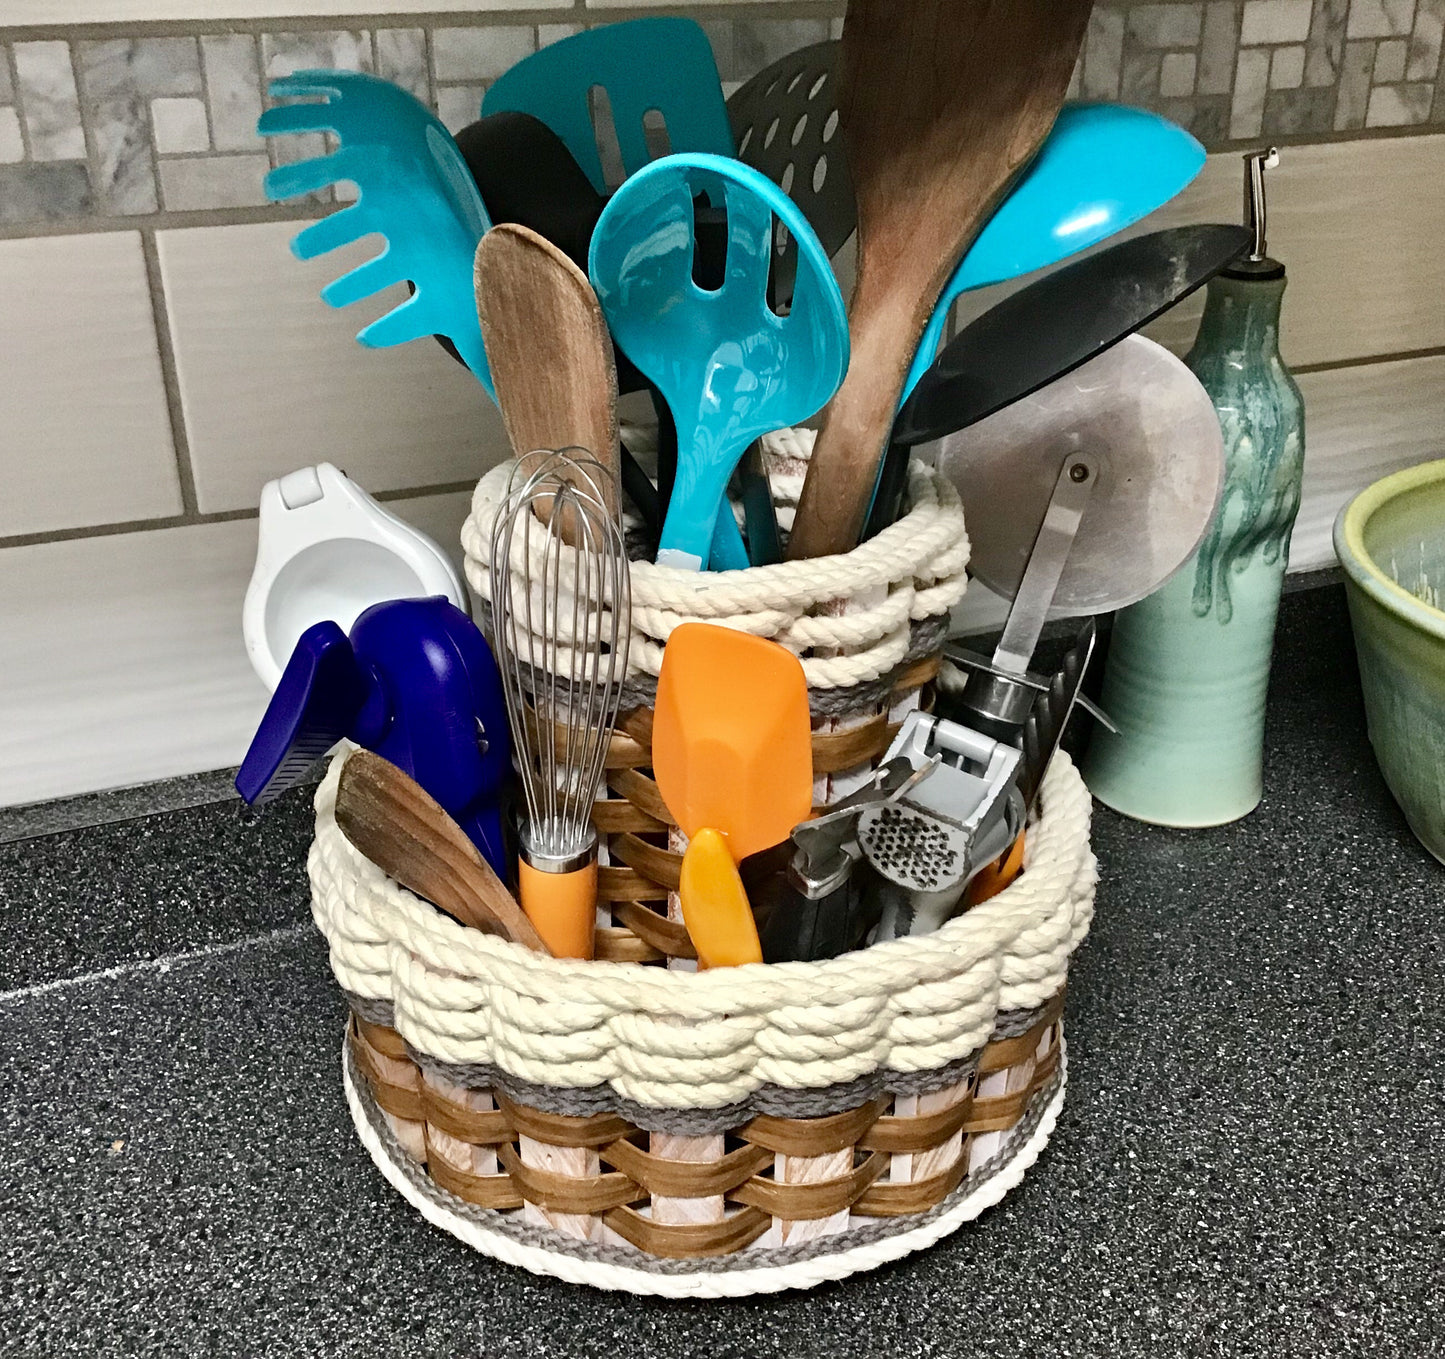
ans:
(772, 1270)
(679, 1040)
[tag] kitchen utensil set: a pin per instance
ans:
(935, 129)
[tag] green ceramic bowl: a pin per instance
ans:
(1391, 541)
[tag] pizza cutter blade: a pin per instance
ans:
(1149, 432)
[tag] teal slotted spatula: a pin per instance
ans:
(661, 66)
(415, 192)
(730, 368)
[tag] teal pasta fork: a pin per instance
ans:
(415, 192)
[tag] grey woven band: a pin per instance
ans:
(768, 1099)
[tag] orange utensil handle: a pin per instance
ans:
(563, 907)
(998, 874)
(715, 905)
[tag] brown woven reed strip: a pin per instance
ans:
(689, 1240)
(870, 1140)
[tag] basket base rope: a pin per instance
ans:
(508, 1238)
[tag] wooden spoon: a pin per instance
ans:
(942, 103)
(548, 348)
(406, 834)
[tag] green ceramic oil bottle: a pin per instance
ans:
(1189, 666)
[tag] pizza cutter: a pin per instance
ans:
(1085, 496)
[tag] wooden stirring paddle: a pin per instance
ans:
(942, 103)
(396, 824)
(549, 350)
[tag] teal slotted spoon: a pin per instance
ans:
(415, 192)
(730, 368)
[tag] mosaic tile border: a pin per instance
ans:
(127, 127)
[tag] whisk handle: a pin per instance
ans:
(563, 907)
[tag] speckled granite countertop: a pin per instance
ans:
(1249, 1161)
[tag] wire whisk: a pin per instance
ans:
(561, 625)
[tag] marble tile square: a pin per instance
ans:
(1274, 21)
(1216, 49)
(325, 49)
(1425, 42)
(550, 33)
(1251, 83)
(458, 105)
(85, 435)
(1287, 68)
(179, 125)
(1103, 53)
(1210, 120)
(480, 54)
(1399, 105)
(720, 36)
(45, 191)
(1176, 74)
(271, 378)
(125, 178)
(760, 42)
(233, 84)
(1390, 61)
(48, 95)
(117, 67)
(1353, 92)
(1175, 25)
(401, 59)
(1381, 18)
(1325, 49)
(12, 144)
(1299, 112)
(192, 183)
(1139, 77)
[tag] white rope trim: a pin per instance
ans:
(679, 1040)
(913, 570)
(705, 1283)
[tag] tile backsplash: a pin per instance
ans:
(128, 126)
(162, 355)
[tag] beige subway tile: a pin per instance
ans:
(271, 378)
(85, 437)
(124, 658)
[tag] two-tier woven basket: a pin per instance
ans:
(634, 1124)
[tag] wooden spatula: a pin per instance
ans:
(942, 103)
(548, 347)
(406, 834)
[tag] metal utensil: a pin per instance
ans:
(819, 907)
(1140, 419)
(942, 102)
(730, 368)
(405, 832)
(927, 846)
(1045, 331)
(560, 627)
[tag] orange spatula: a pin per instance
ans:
(732, 752)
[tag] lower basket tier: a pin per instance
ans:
(776, 1203)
